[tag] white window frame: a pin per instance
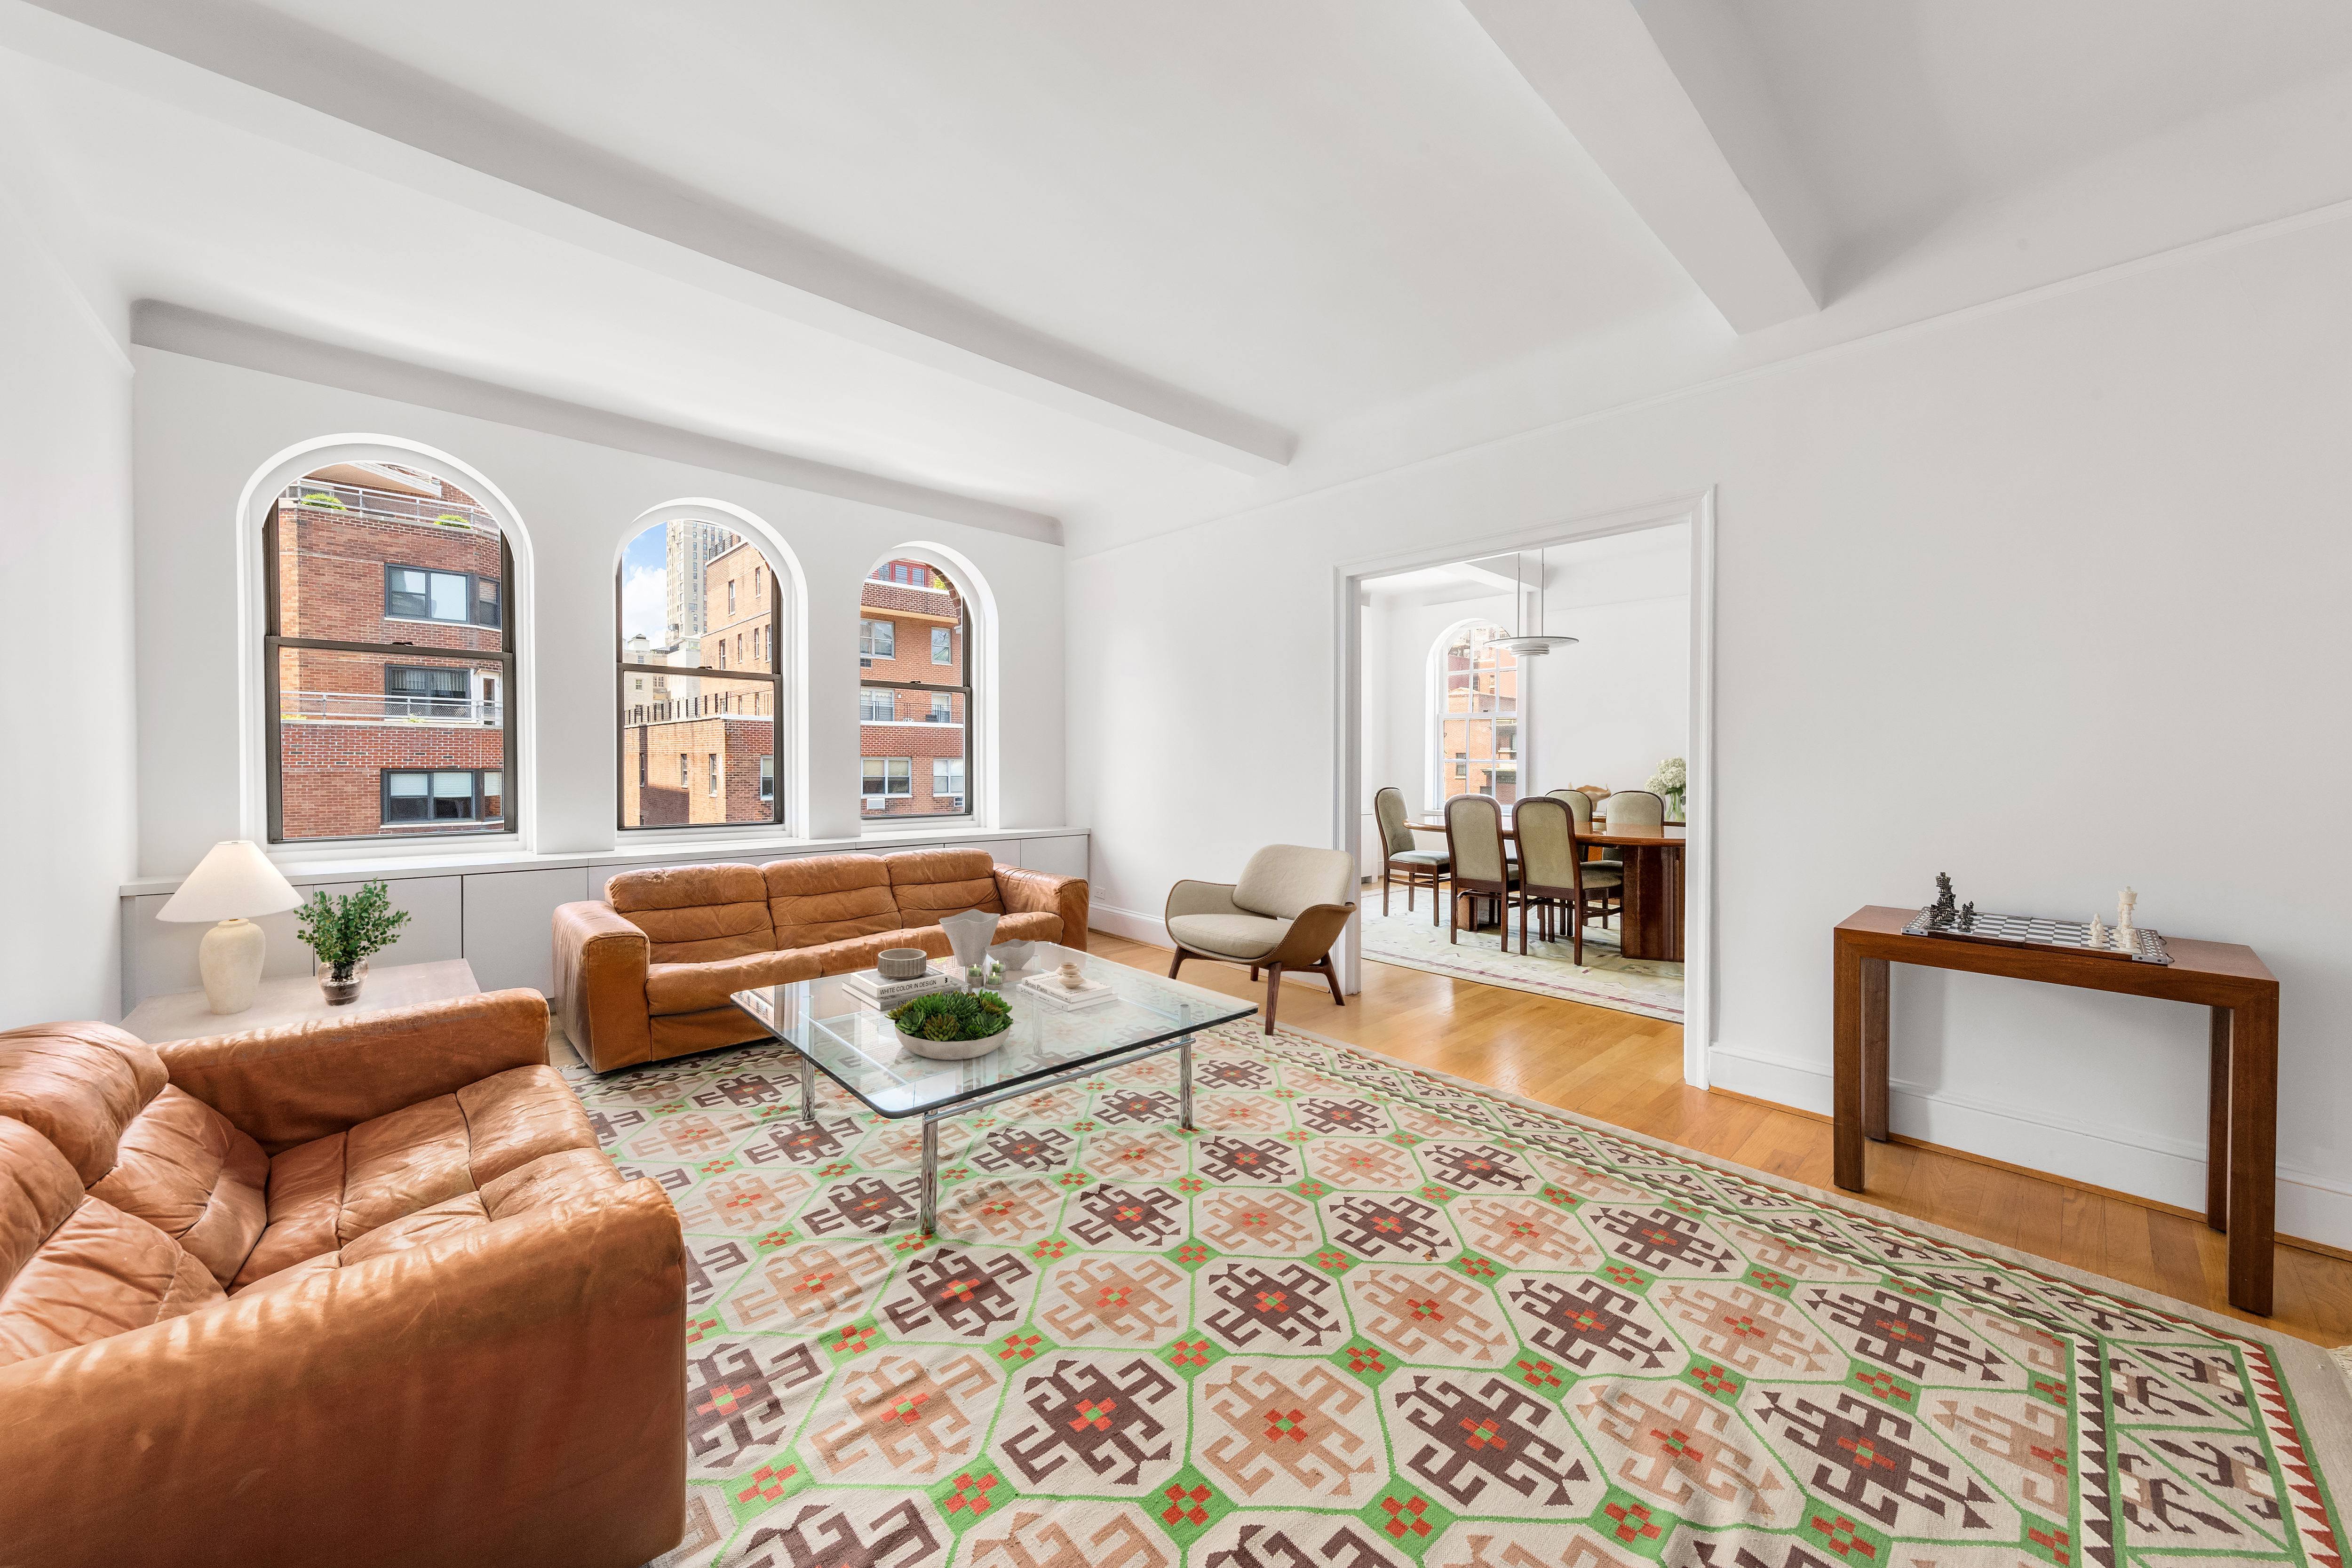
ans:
(1444, 768)
(878, 637)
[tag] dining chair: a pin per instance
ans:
(1580, 802)
(1635, 808)
(1554, 874)
(1419, 865)
(1474, 844)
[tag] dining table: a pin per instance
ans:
(1652, 920)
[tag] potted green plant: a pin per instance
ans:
(951, 1025)
(342, 932)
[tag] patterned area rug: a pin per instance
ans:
(1370, 1317)
(1608, 979)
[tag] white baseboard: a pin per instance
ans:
(2143, 1164)
(1129, 924)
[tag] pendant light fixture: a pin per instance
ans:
(1522, 642)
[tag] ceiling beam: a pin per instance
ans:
(807, 279)
(1663, 97)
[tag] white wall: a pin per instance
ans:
(66, 784)
(2028, 593)
(204, 429)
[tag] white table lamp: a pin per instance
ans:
(234, 881)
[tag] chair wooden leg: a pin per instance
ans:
(1453, 917)
(1273, 992)
(1177, 962)
(1388, 877)
(1576, 927)
(1523, 928)
(1252, 972)
(1331, 978)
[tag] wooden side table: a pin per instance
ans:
(295, 999)
(2242, 1125)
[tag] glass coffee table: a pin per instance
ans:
(856, 1046)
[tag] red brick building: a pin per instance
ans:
(914, 744)
(701, 748)
(411, 740)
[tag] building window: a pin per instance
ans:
(362, 685)
(888, 778)
(1476, 726)
(693, 705)
(939, 701)
(442, 794)
(418, 593)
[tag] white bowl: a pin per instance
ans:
(1013, 956)
(948, 1050)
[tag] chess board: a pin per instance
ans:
(2034, 930)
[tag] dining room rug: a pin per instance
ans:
(1607, 978)
(1370, 1316)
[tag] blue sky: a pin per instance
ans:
(644, 585)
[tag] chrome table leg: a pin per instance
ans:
(1184, 1080)
(930, 1217)
(808, 1088)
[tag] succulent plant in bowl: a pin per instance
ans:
(951, 1025)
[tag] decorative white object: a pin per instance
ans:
(2097, 935)
(234, 881)
(1013, 955)
(969, 934)
(2125, 902)
(948, 1050)
(902, 963)
(1072, 977)
(1522, 642)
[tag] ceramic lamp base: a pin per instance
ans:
(229, 958)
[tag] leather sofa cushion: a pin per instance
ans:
(692, 987)
(76, 1269)
(929, 883)
(183, 1169)
(695, 914)
(822, 898)
(79, 1086)
(683, 1034)
(326, 1195)
(859, 952)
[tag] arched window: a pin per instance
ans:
(914, 707)
(389, 661)
(1475, 720)
(698, 750)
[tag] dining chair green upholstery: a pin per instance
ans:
(1401, 853)
(1474, 839)
(1554, 874)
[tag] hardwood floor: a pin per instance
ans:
(1627, 1071)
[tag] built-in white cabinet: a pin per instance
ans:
(160, 956)
(511, 925)
(1063, 857)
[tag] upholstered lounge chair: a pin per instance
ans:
(1289, 907)
(363, 1291)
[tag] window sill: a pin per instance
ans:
(374, 863)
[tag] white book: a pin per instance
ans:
(1050, 990)
(869, 986)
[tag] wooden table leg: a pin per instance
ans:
(2254, 1152)
(1647, 896)
(1845, 1097)
(1874, 1025)
(2217, 1125)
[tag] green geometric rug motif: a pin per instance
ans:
(1369, 1317)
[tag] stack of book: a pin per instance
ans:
(868, 987)
(1049, 990)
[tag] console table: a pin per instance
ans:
(295, 999)
(2242, 1126)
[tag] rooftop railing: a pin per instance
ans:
(377, 707)
(427, 511)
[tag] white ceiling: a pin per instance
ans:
(1061, 255)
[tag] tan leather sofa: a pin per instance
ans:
(644, 973)
(363, 1291)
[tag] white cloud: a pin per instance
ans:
(645, 603)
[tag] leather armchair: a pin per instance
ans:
(1286, 913)
(361, 1291)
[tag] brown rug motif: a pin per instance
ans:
(1371, 1318)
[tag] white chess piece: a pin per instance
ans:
(2125, 902)
(2128, 937)
(2097, 935)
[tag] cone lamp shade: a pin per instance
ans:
(232, 883)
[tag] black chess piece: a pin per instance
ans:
(1944, 914)
(1968, 915)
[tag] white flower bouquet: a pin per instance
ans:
(1671, 780)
